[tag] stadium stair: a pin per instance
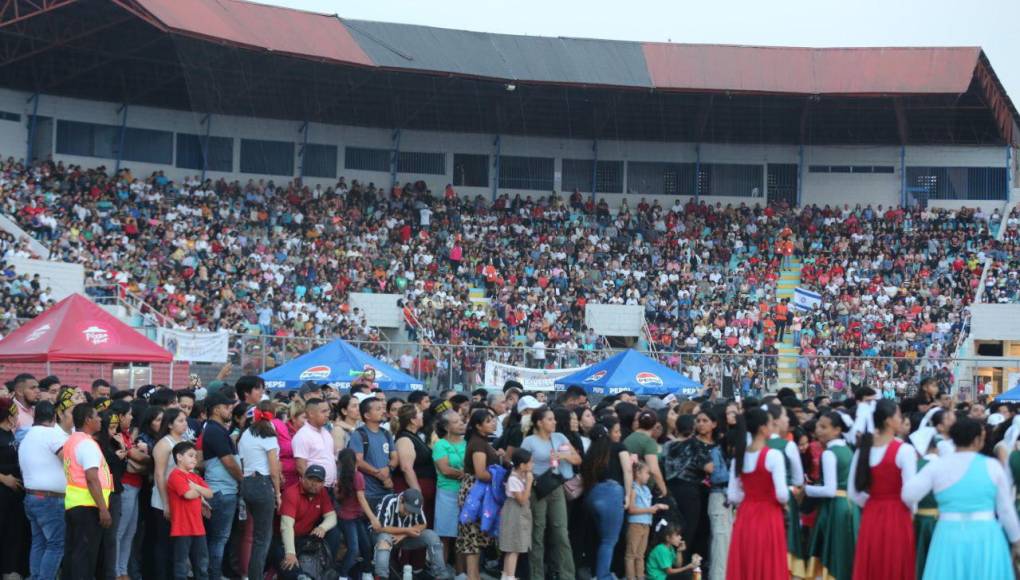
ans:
(789, 279)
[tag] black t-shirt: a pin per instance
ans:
(117, 465)
(614, 470)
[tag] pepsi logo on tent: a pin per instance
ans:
(598, 375)
(646, 378)
(316, 372)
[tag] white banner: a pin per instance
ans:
(533, 379)
(615, 319)
(195, 346)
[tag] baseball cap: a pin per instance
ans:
(413, 500)
(526, 403)
(307, 388)
(996, 419)
(316, 472)
(218, 398)
(362, 396)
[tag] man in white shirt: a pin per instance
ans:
(44, 480)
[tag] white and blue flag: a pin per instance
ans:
(805, 300)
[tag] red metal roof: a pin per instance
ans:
(811, 70)
(78, 330)
(273, 28)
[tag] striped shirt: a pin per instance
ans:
(390, 516)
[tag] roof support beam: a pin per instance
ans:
(14, 11)
(703, 116)
(902, 128)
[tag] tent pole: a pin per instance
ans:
(48, 368)
(171, 374)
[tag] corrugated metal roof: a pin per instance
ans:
(851, 71)
(260, 26)
(502, 56)
(811, 70)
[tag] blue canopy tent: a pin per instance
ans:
(337, 364)
(631, 371)
(1010, 396)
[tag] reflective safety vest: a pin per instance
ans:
(78, 494)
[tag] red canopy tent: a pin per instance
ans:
(78, 330)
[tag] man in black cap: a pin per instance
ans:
(306, 513)
(399, 521)
(223, 475)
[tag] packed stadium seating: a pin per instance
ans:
(280, 259)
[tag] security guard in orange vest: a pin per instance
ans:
(89, 485)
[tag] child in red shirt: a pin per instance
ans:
(186, 491)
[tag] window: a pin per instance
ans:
(577, 174)
(267, 157)
(319, 161)
(148, 146)
(851, 169)
(971, 183)
(367, 159)
(87, 139)
(421, 163)
(731, 179)
(651, 178)
(470, 170)
(220, 154)
(6, 116)
(526, 173)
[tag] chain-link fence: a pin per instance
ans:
(462, 367)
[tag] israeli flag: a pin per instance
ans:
(806, 300)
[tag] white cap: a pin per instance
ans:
(528, 403)
(996, 419)
(362, 396)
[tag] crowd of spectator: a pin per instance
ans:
(280, 260)
(1002, 285)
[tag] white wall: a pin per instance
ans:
(821, 188)
(62, 277)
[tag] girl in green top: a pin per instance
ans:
(666, 558)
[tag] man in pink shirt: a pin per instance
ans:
(26, 394)
(313, 443)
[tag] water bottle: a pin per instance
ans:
(408, 572)
(242, 511)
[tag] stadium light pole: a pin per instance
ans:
(394, 158)
(497, 146)
(31, 127)
(594, 167)
(123, 129)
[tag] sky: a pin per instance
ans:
(991, 24)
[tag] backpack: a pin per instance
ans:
(316, 560)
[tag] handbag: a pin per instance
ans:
(549, 481)
(573, 487)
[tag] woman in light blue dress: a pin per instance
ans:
(975, 508)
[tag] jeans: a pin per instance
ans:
(260, 498)
(109, 547)
(192, 549)
(82, 540)
(126, 527)
(157, 551)
(721, 517)
(428, 540)
(551, 512)
(46, 516)
(217, 530)
(359, 543)
(605, 501)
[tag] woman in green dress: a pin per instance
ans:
(835, 532)
(795, 480)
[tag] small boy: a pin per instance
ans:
(186, 490)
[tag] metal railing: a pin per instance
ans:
(462, 367)
(115, 294)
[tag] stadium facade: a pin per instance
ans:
(239, 90)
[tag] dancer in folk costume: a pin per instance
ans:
(796, 554)
(975, 507)
(758, 485)
(881, 465)
(835, 532)
(927, 513)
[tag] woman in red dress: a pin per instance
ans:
(881, 464)
(758, 485)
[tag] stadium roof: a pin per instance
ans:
(236, 57)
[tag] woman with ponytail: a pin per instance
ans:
(795, 480)
(835, 531)
(758, 485)
(260, 461)
(881, 466)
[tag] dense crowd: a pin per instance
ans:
(233, 481)
(280, 260)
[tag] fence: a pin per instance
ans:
(462, 367)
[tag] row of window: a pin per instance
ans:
(265, 157)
